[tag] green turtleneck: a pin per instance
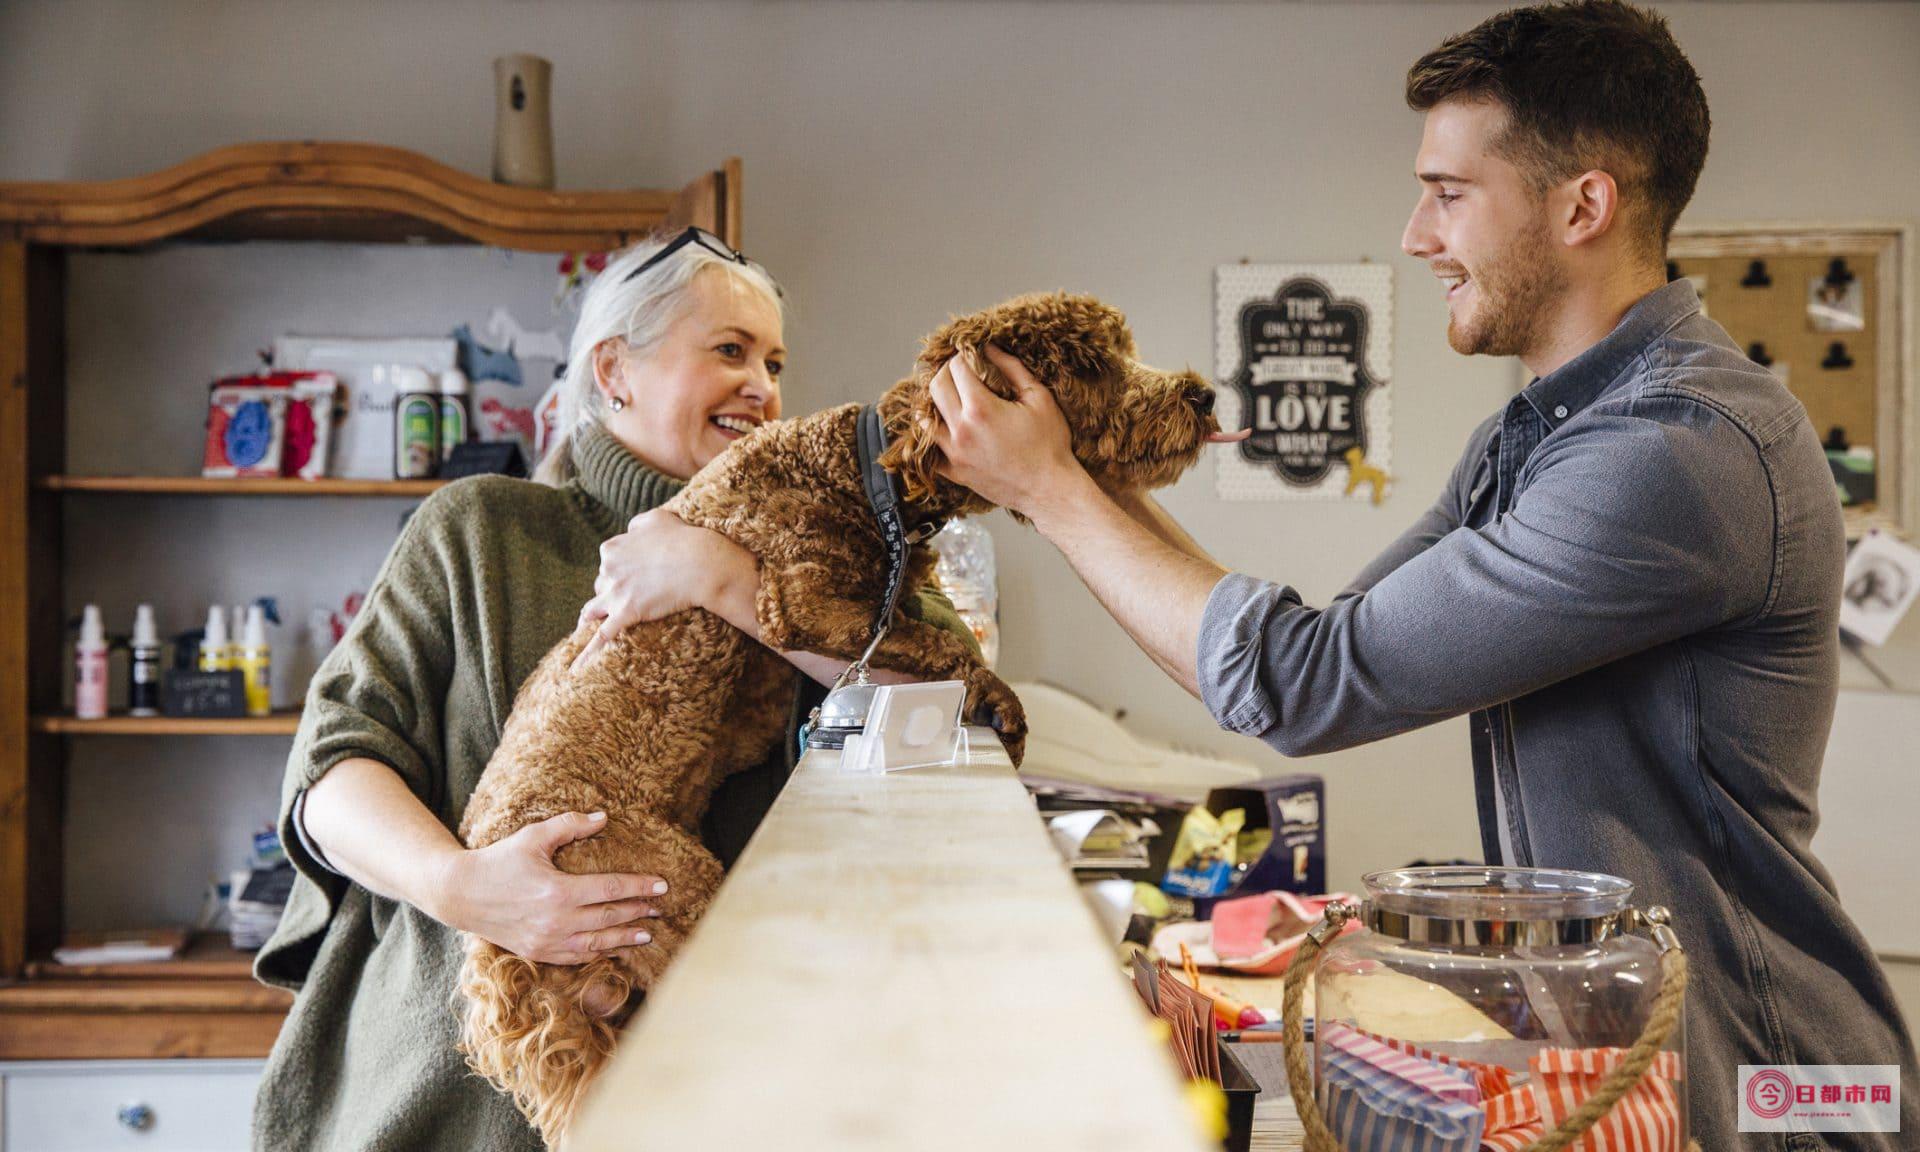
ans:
(487, 575)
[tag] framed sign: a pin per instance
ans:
(1303, 355)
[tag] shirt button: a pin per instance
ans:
(1560, 412)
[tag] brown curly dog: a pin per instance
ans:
(652, 724)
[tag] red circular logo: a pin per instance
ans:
(1769, 1094)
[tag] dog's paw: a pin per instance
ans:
(995, 706)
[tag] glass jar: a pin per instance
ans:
(1489, 1004)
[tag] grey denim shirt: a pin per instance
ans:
(1632, 583)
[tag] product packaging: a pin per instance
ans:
(246, 431)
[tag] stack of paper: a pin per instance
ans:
(136, 947)
(259, 897)
(1100, 840)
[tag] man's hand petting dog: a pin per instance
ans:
(510, 893)
(1017, 453)
(660, 565)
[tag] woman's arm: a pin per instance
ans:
(374, 830)
(662, 565)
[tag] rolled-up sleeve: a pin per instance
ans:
(1635, 525)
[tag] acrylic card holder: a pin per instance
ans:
(910, 726)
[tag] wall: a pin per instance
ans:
(908, 160)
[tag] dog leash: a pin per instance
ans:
(883, 498)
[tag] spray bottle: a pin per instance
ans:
(256, 661)
(143, 670)
(216, 654)
(90, 667)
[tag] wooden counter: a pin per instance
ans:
(896, 961)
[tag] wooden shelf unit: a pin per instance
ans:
(300, 190)
(203, 1003)
(202, 486)
(278, 724)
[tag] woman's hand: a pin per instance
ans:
(511, 895)
(661, 565)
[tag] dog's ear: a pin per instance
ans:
(913, 455)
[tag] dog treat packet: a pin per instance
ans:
(1203, 855)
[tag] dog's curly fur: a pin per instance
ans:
(651, 725)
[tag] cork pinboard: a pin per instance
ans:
(1760, 284)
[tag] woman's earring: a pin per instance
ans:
(616, 404)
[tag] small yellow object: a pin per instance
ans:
(1152, 901)
(1206, 837)
(1360, 472)
(1207, 1104)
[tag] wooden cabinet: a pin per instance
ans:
(206, 1004)
(88, 1106)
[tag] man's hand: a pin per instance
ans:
(510, 894)
(1017, 453)
(661, 565)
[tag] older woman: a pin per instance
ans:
(677, 353)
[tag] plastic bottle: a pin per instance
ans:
(256, 662)
(90, 667)
(964, 570)
(216, 654)
(456, 415)
(143, 670)
(416, 423)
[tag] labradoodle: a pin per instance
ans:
(653, 723)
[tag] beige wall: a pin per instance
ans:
(907, 160)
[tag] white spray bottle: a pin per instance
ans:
(90, 667)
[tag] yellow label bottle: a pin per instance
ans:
(256, 662)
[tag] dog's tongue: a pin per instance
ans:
(1229, 437)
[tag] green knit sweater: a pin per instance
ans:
(488, 575)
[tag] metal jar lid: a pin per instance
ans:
(1497, 907)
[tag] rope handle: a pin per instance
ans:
(1666, 1013)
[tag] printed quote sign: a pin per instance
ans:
(1303, 357)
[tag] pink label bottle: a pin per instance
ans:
(90, 667)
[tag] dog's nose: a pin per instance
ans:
(1202, 399)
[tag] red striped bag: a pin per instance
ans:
(1646, 1119)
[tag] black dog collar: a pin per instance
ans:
(883, 495)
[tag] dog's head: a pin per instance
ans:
(1133, 426)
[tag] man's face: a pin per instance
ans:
(1484, 231)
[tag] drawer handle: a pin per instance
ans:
(138, 1117)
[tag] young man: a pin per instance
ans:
(1631, 580)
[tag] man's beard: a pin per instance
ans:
(1514, 289)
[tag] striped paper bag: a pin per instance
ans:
(1646, 1119)
(1382, 1100)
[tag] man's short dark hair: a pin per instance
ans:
(1588, 84)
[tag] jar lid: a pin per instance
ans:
(1496, 906)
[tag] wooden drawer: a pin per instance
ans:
(95, 1105)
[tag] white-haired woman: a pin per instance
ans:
(678, 352)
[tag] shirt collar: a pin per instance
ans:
(1562, 393)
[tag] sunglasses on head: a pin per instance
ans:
(691, 235)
